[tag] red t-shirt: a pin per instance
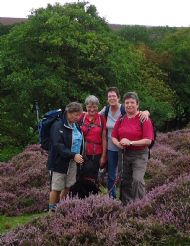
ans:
(92, 131)
(133, 129)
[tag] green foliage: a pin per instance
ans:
(8, 152)
(177, 45)
(27, 201)
(4, 29)
(9, 147)
(158, 96)
(154, 93)
(148, 35)
(53, 58)
(64, 53)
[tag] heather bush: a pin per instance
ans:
(24, 182)
(170, 158)
(97, 220)
(7, 169)
(162, 217)
(161, 173)
(178, 140)
(155, 168)
(164, 152)
(169, 203)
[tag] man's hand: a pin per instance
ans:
(78, 159)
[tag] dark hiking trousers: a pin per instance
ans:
(133, 171)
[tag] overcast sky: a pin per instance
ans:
(129, 12)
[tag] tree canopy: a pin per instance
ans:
(177, 46)
(64, 53)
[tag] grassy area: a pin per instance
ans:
(9, 223)
(104, 190)
(7, 153)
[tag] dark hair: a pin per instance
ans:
(115, 89)
(132, 95)
(74, 107)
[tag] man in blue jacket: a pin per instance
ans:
(65, 152)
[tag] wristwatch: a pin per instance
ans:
(130, 143)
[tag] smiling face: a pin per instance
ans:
(92, 109)
(131, 106)
(113, 99)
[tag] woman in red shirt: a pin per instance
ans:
(93, 126)
(133, 136)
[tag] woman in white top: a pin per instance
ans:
(112, 113)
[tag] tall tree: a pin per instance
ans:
(177, 46)
(62, 54)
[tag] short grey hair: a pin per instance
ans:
(91, 100)
(74, 107)
(132, 95)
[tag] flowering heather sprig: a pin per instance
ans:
(155, 167)
(168, 161)
(179, 166)
(178, 140)
(6, 169)
(165, 153)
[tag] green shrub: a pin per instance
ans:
(8, 152)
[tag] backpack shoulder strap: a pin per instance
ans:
(122, 109)
(107, 111)
(101, 117)
(121, 118)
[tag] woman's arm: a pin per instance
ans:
(115, 135)
(117, 143)
(104, 148)
(141, 142)
(102, 111)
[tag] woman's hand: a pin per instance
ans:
(125, 142)
(144, 115)
(117, 143)
(78, 159)
(102, 161)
